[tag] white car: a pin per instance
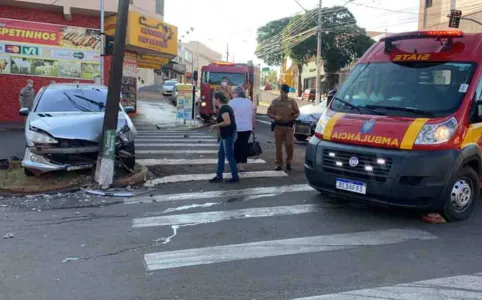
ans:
(168, 87)
(63, 130)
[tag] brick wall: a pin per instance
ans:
(10, 85)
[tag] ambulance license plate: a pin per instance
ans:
(351, 186)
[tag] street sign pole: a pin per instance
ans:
(318, 57)
(104, 174)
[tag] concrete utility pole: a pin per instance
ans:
(318, 56)
(104, 173)
(102, 40)
(227, 52)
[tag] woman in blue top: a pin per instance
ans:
(226, 124)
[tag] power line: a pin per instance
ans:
(299, 4)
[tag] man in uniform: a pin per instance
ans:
(284, 111)
(27, 94)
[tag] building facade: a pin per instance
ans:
(69, 7)
(61, 43)
(433, 14)
(202, 55)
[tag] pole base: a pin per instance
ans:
(104, 173)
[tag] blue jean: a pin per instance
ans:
(226, 152)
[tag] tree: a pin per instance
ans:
(342, 40)
(272, 77)
(268, 31)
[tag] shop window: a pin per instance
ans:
(428, 3)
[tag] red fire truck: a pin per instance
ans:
(245, 75)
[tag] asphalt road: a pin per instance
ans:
(268, 237)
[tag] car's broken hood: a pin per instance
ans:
(72, 125)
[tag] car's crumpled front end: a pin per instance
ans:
(70, 141)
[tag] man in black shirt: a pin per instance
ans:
(226, 124)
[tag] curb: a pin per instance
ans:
(134, 179)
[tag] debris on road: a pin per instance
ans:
(109, 194)
(69, 259)
(9, 236)
(433, 218)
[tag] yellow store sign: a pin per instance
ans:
(145, 32)
(150, 33)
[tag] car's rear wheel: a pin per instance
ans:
(461, 194)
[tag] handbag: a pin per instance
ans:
(254, 148)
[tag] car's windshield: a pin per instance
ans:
(233, 78)
(72, 100)
(405, 89)
(170, 83)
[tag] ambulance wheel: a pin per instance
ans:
(461, 194)
(300, 137)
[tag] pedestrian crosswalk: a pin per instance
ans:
(185, 211)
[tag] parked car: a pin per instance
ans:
(309, 116)
(64, 128)
(308, 94)
(168, 87)
(306, 123)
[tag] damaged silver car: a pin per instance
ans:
(63, 130)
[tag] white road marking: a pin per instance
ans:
(219, 254)
(176, 135)
(176, 151)
(168, 131)
(219, 216)
(189, 140)
(181, 161)
(199, 177)
(264, 122)
(457, 287)
(276, 190)
(179, 145)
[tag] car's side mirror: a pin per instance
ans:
(23, 112)
(129, 109)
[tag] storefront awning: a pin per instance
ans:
(178, 68)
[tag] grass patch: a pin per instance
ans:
(15, 181)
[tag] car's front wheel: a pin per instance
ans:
(461, 194)
(301, 137)
(28, 173)
(129, 159)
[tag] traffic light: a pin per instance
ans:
(109, 45)
(454, 18)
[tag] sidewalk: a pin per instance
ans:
(154, 112)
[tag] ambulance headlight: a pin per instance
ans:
(320, 126)
(432, 134)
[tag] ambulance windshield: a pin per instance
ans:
(409, 89)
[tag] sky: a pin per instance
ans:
(218, 23)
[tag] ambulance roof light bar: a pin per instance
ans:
(435, 34)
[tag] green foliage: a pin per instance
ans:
(268, 31)
(342, 40)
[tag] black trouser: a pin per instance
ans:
(241, 147)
